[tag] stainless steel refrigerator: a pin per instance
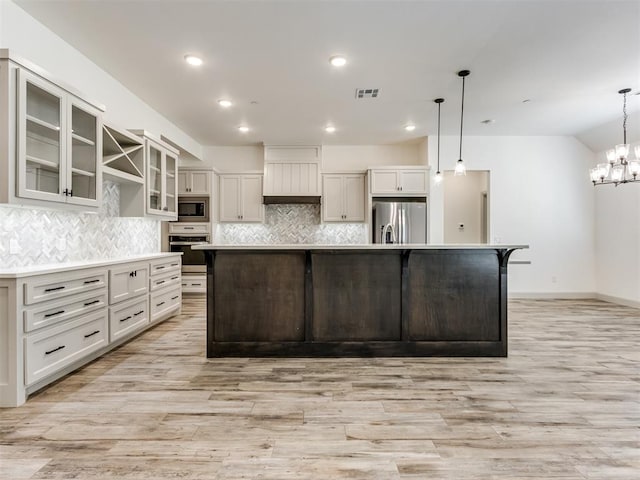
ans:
(399, 222)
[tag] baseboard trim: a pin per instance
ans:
(554, 295)
(574, 296)
(618, 300)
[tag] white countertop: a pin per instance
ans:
(17, 272)
(368, 246)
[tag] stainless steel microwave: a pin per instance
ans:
(193, 209)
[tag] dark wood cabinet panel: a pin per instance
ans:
(356, 296)
(454, 295)
(259, 297)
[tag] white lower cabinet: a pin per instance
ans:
(165, 301)
(53, 323)
(56, 347)
(194, 283)
(128, 317)
(128, 281)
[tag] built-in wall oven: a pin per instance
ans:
(193, 209)
(193, 261)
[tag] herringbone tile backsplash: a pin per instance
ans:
(37, 236)
(291, 224)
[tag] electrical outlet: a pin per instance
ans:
(14, 247)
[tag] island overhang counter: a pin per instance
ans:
(357, 300)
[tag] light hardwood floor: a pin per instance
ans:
(564, 405)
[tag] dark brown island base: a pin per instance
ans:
(391, 300)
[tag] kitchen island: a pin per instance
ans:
(357, 300)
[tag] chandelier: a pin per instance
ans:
(618, 169)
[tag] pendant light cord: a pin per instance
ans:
(461, 117)
(624, 116)
(439, 104)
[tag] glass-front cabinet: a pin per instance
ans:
(162, 179)
(58, 144)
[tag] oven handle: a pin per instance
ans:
(187, 243)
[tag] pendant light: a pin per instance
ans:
(460, 167)
(438, 177)
(619, 168)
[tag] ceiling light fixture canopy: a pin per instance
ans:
(461, 169)
(438, 177)
(193, 60)
(618, 168)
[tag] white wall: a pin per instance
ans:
(337, 158)
(26, 37)
(617, 243)
(540, 195)
(230, 159)
(463, 206)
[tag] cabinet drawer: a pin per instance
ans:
(63, 309)
(191, 228)
(164, 301)
(49, 287)
(128, 317)
(194, 284)
(166, 280)
(54, 348)
(162, 266)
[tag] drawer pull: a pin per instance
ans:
(91, 303)
(53, 314)
(158, 304)
(174, 278)
(125, 319)
(174, 264)
(92, 334)
(161, 267)
(173, 298)
(54, 350)
(138, 313)
(86, 282)
(53, 289)
(188, 228)
(160, 282)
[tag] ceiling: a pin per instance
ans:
(567, 57)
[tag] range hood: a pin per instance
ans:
(292, 174)
(274, 199)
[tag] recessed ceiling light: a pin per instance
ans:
(243, 128)
(338, 61)
(193, 60)
(410, 128)
(329, 129)
(225, 103)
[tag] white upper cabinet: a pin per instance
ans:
(343, 198)
(59, 144)
(193, 182)
(292, 171)
(241, 198)
(399, 182)
(161, 185)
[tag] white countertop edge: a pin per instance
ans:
(404, 246)
(26, 271)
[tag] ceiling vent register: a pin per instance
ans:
(367, 93)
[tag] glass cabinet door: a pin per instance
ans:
(41, 145)
(154, 180)
(83, 176)
(171, 166)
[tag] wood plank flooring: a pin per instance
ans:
(564, 405)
